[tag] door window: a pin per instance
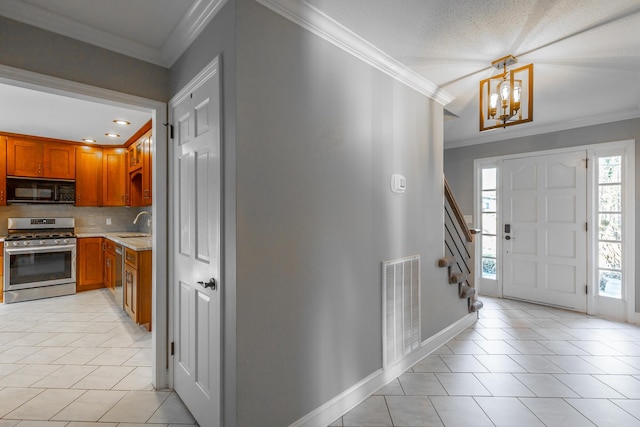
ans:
(489, 222)
(610, 226)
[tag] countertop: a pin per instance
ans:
(130, 239)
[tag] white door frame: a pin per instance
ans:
(158, 110)
(591, 150)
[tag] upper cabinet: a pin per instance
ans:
(139, 167)
(114, 172)
(40, 159)
(3, 170)
(89, 176)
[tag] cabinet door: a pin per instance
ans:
(24, 158)
(146, 170)
(90, 264)
(88, 176)
(3, 170)
(131, 292)
(114, 174)
(59, 160)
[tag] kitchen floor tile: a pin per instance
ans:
(604, 413)
(504, 410)
(412, 411)
(45, 405)
(458, 411)
(372, 412)
(136, 406)
(90, 406)
(504, 385)
(556, 412)
(588, 387)
(462, 384)
(545, 385)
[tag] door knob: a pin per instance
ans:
(210, 284)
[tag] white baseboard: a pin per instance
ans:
(353, 396)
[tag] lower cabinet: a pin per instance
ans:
(89, 273)
(109, 268)
(137, 286)
(1, 276)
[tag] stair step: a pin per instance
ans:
(446, 261)
(466, 291)
(457, 278)
(475, 306)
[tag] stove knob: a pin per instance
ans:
(42, 242)
(66, 241)
(56, 242)
(15, 243)
(25, 243)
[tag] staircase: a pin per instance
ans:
(458, 260)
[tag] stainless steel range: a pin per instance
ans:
(39, 258)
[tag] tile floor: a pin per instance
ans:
(519, 365)
(79, 361)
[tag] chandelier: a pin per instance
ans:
(506, 99)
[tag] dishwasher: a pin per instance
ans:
(119, 291)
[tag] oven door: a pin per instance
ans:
(34, 267)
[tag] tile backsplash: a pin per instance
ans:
(88, 219)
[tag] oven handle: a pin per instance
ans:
(39, 249)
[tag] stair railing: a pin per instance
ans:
(459, 251)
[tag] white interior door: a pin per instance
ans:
(197, 312)
(544, 244)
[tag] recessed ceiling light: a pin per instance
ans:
(112, 135)
(122, 122)
(89, 140)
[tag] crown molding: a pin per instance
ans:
(189, 27)
(497, 134)
(311, 19)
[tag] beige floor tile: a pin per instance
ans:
(65, 377)
(91, 406)
(27, 375)
(136, 406)
(103, 378)
(114, 356)
(12, 398)
(138, 379)
(45, 405)
(172, 411)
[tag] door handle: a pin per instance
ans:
(507, 238)
(210, 284)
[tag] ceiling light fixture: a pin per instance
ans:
(89, 140)
(506, 99)
(122, 122)
(112, 135)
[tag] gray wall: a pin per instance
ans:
(219, 39)
(319, 134)
(458, 162)
(33, 49)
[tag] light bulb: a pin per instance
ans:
(517, 94)
(504, 90)
(493, 100)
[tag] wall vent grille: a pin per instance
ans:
(400, 308)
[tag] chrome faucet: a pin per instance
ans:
(135, 221)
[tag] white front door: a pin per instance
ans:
(544, 234)
(196, 248)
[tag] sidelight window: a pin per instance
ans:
(489, 222)
(610, 233)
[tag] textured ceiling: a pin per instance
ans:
(586, 53)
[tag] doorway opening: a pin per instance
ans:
(157, 111)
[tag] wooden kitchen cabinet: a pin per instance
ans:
(24, 157)
(109, 268)
(3, 174)
(89, 256)
(139, 167)
(137, 286)
(59, 160)
(88, 176)
(114, 174)
(40, 159)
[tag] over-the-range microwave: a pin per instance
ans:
(45, 191)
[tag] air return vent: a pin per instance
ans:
(400, 308)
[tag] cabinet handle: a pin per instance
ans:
(108, 262)
(2, 195)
